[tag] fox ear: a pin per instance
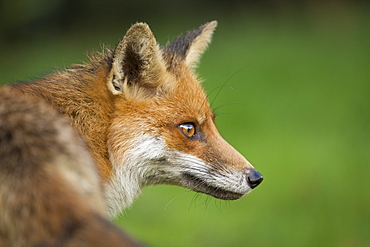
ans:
(190, 46)
(137, 63)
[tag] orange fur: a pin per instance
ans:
(80, 93)
(50, 191)
(128, 104)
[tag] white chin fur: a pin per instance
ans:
(149, 161)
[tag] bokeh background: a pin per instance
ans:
(290, 81)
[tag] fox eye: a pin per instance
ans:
(188, 129)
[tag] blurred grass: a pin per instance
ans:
(295, 103)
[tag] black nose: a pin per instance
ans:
(254, 178)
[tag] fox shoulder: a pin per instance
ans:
(50, 190)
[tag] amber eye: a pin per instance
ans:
(188, 129)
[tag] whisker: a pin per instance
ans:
(235, 102)
(193, 201)
(208, 202)
(209, 94)
(218, 204)
(224, 84)
(226, 113)
(165, 208)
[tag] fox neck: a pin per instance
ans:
(140, 166)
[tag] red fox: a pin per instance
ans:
(50, 190)
(146, 120)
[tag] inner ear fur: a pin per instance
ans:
(188, 48)
(137, 63)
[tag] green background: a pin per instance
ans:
(294, 99)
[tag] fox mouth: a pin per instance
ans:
(200, 185)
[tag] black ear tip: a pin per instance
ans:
(183, 43)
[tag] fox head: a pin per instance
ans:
(163, 129)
